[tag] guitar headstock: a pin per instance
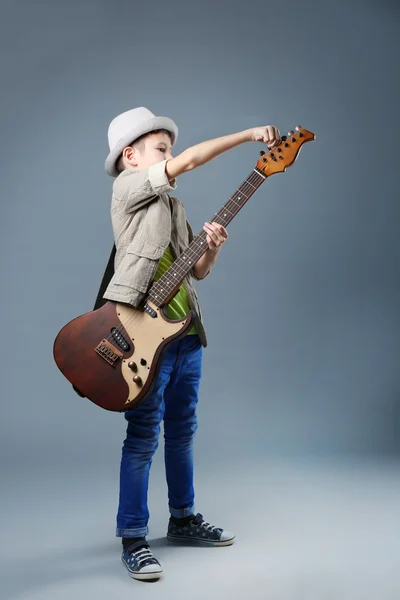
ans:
(283, 156)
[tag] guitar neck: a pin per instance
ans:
(162, 289)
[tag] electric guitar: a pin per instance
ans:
(112, 355)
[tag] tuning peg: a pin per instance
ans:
(298, 127)
(262, 152)
(290, 133)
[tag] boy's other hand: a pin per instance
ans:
(268, 134)
(216, 235)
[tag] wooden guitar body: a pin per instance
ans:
(111, 355)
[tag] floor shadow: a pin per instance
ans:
(163, 542)
(65, 565)
(34, 571)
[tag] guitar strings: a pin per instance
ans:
(190, 251)
(254, 177)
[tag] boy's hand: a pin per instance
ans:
(268, 134)
(216, 235)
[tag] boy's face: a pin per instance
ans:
(157, 147)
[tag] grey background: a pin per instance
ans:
(301, 309)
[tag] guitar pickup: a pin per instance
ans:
(150, 311)
(109, 352)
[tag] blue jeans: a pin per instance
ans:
(174, 399)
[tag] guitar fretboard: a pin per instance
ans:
(170, 281)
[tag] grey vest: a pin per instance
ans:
(141, 238)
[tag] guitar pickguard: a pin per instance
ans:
(146, 334)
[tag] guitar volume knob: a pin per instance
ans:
(138, 380)
(132, 365)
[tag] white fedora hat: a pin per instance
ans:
(127, 127)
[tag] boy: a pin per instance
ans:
(151, 230)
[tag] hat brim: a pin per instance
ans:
(132, 135)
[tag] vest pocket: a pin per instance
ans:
(138, 267)
(146, 248)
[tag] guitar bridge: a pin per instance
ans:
(109, 352)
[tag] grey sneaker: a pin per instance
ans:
(198, 530)
(140, 562)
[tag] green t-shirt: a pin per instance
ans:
(179, 305)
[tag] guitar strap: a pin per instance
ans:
(108, 273)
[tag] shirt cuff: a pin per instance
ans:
(159, 180)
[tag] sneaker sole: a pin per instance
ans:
(146, 576)
(143, 576)
(176, 538)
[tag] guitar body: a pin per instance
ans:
(112, 355)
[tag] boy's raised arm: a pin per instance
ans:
(198, 155)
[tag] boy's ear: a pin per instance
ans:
(130, 153)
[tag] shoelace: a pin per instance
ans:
(141, 555)
(209, 526)
(198, 520)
